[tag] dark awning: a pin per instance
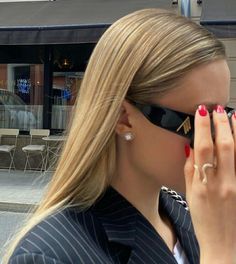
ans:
(219, 17)
(64, 21)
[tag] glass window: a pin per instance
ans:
(69, 64)
(65, 89)
(21, 96)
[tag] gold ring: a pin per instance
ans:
(205, 166)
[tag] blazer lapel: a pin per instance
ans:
(125, 225)
(179, 215)
(149, 247)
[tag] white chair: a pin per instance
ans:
(9, 149)
(36, 149)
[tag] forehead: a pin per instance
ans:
(207, 84)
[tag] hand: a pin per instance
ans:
(212, 199)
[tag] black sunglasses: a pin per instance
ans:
(171, 120)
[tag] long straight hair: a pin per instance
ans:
(143, 54)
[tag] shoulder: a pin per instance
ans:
(27, 258)
(59, 238)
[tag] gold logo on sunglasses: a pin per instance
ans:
(186, 126)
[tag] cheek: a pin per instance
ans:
(159, 155)
(173, 170)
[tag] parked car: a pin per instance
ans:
(14, 113)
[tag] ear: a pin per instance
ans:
(125, 121)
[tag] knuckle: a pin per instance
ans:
(224, 120)
(226, 144)
(227, 192)
(221, 119)
(205, 148)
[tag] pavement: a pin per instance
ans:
(21, 191)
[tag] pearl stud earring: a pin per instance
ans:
(129, 136)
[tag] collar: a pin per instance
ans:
(124, 224)
(118, 217)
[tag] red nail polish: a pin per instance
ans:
(234, 114)
(187, 150)
(219, 109)
(202, 110)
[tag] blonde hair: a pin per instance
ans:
(143, 54)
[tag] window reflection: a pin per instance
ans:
(21, 96)
(65, 88)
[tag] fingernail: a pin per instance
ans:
(219, 109)
(234, 114)
(187, 150)
(202, 110)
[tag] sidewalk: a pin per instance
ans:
(19, 191)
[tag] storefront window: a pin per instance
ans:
(21, 96)
(65, 89)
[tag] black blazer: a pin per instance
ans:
(111, 231)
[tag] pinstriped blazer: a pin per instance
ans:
(111, 231)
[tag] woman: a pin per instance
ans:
(150, 73)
